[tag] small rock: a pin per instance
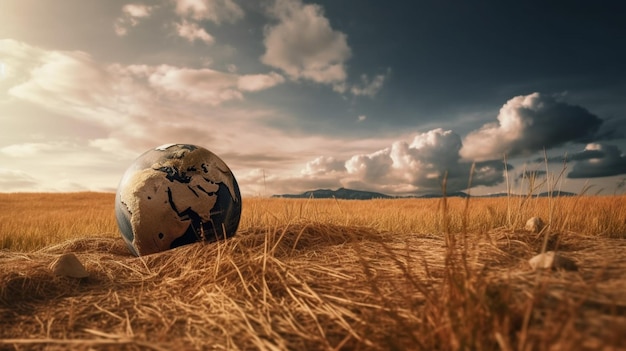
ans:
(534, 225)
(552, 260)
(68, 265)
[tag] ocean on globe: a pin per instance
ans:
(176, 194)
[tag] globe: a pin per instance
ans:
(176, 194)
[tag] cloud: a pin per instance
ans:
(305, 47)
(369, 87)
(58, 166)
(207, 86)
(257, 82)
(192, 32)
(16, 180)
(323, 165)
(578, 156)
(370, 168)
(527, 124)
(132, 14)
(361, 118)
(598, 160)
(16, 57)
(138, 106)
(404, 168)
(216, 11)
(531, 174)
(433, 155)
(263, 183)
(303, 44)
(25, 149)
(58, 80)
(198, 85)
(123, 110)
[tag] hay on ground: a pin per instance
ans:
(317, 287)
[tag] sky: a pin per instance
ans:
(294, 95)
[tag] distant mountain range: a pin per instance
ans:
(350, 194)
(341, 193)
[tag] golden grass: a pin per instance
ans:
(322, 275)
(30, 221)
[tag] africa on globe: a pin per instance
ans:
(176, 194)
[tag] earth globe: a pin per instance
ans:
(176, 194)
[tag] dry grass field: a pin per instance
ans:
(415, 274)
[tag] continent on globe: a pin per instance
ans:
(176, 194)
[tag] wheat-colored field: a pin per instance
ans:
(411, 274)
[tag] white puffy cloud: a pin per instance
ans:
(199, 85)
(193, 12)
(405, 168)
(323, 165)
(303, 44)
(217, 11)
(422, 164)
(527, 124)
(256, 82)
(132, 14)
(370, 168)
(598, 160)
(192, 32)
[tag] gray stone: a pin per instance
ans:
(68, 265)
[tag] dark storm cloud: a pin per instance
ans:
(599, 160)
(612, 128)
(596, 160)
(486, 173)
(578, 156)
(526, 174)
(527, 124)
